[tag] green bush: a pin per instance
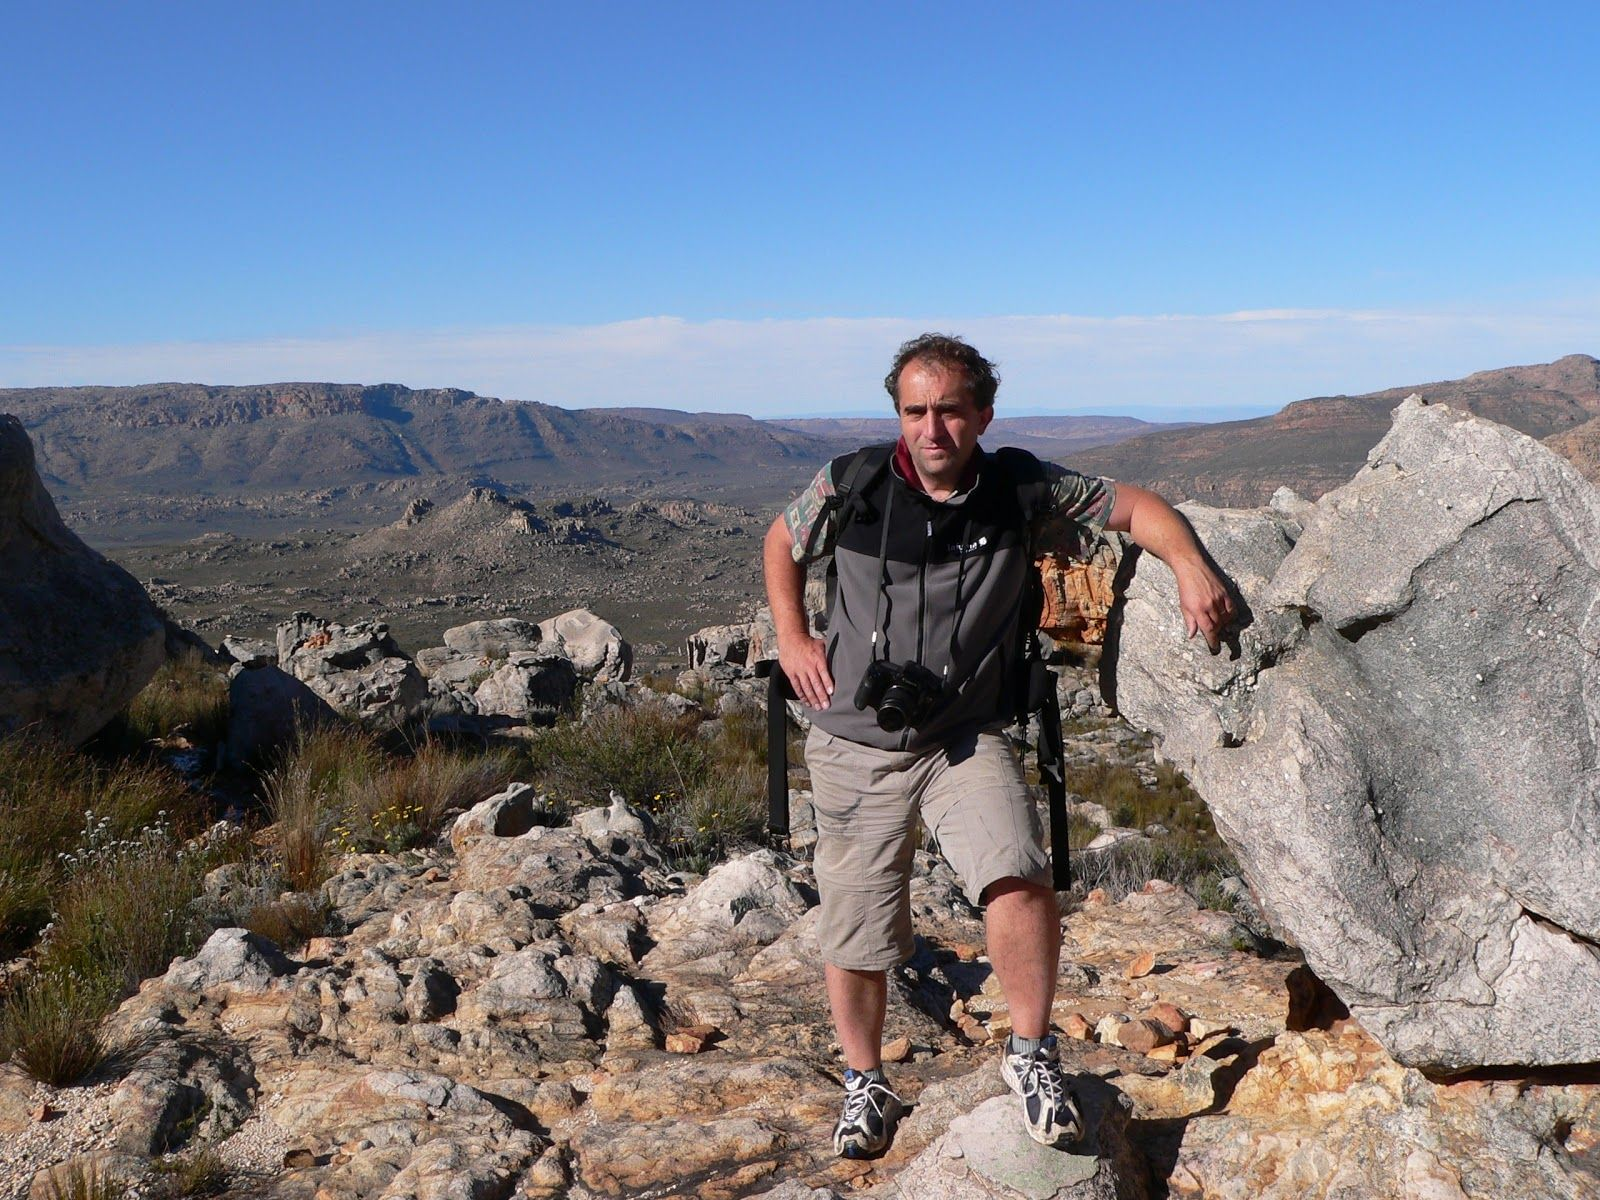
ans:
(52, 801)
(649, 756)
(408, 801)
(126, 909)
(187, 697)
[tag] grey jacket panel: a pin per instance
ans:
(949, 598)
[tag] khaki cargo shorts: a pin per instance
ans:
(972, 797)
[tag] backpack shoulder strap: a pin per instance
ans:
(1027, 475)
(1037, 695)
(859, 474)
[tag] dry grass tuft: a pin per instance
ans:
(50, 1027)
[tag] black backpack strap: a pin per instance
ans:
(1053, 771)
(859, 474)
(855, 480)
(778, 693)
(1037, 683)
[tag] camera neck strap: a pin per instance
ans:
(883, 579)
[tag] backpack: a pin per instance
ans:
(1035, 693)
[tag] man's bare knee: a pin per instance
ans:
(1015, 885)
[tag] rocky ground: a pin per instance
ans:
(533, 1010)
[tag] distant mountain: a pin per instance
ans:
(176, 439)
(1314, 445)
(1046, 436)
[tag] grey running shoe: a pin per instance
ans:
(870, 1111)
(1049, 1112)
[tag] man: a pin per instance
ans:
(931, 571)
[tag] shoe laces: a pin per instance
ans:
(1043, 1076)
(858, 1099)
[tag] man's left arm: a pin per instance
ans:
(1159, 528)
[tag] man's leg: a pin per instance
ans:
(988, 827)
(858, 1000)
(865, 826)
(1023, 927)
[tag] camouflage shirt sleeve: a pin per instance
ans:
(1080, 506)
(812, 520)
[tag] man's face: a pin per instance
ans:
(940, 421)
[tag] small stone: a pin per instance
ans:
(1170, 1015)
(299, 1157)
(43, 1112)
(1105, 1029)
(1143, 1036)
(691, 1039)
(1167, 1054)
(1096, 898)
(967, 952)
(898, 1050)
(1200, 1030)
(1141, 966)
(1077, 1028)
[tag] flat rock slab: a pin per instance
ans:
(986, 1155)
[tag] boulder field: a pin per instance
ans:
(532, 1009)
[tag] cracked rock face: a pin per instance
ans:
(78, 636)
(1401, 745)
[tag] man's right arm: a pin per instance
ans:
(804, 659)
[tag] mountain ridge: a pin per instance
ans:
(1315, 444)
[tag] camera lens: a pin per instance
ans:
(895, 707)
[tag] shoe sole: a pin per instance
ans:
(1067, 1135)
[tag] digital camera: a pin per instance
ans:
(904, 694)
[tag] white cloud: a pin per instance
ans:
(1170, 365)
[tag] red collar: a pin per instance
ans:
(907, 470)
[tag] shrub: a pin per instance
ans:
(408, 801)
(199, 1173)
(48, 795)
(714, 817)
(648, 756)
(291, 922)
(125, 909)
(51, 1026)
(305, 796)
(187, 697)
(1193, 865)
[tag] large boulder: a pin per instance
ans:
(358, 669)
(595, 647)
(267, 708)
(1400, 743)
(78, 636)
(528, 687)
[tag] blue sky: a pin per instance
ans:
(1173, 209)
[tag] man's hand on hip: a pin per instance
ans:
(805, 662)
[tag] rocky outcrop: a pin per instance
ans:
(358, 669)
(1078, 595)
(266, 709)
(78, 636)
(1400, 743)
(595, 647)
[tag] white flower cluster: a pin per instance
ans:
(98, 847)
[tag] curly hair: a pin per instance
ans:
(951, 353)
